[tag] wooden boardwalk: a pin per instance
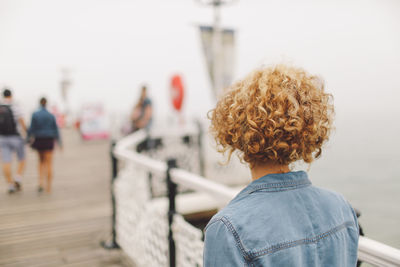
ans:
(63, 228)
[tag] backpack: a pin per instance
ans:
(7, 122)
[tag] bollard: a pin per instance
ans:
(171, 212)
(112, 244)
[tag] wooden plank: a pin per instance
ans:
(63, 228)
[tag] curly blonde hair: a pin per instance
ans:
(279, 114)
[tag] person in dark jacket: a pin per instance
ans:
(44, 132)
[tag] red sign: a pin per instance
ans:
(177, 92)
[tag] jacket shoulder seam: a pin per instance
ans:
(235, 234)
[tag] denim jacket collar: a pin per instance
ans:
(278, 182)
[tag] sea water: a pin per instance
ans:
(361, 161)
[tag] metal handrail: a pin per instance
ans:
(369, 250)
(377, 253)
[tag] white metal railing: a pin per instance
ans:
(377, 253)
(369, 251)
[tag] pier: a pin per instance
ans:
(65, 227)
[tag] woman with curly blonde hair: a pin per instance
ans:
(272, 118)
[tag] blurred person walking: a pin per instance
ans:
(44, 132)
(11, 126)
(142, 113)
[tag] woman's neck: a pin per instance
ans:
(261, 169)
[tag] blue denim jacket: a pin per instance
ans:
(43, 124)
(282, 220)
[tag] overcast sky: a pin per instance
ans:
(113, 46)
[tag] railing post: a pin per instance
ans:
(112, 244)
(360, 230)
(200, 144)
(171, 211)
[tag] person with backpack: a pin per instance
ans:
(44, 132)
(11, 126)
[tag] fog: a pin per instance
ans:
(112, 47)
